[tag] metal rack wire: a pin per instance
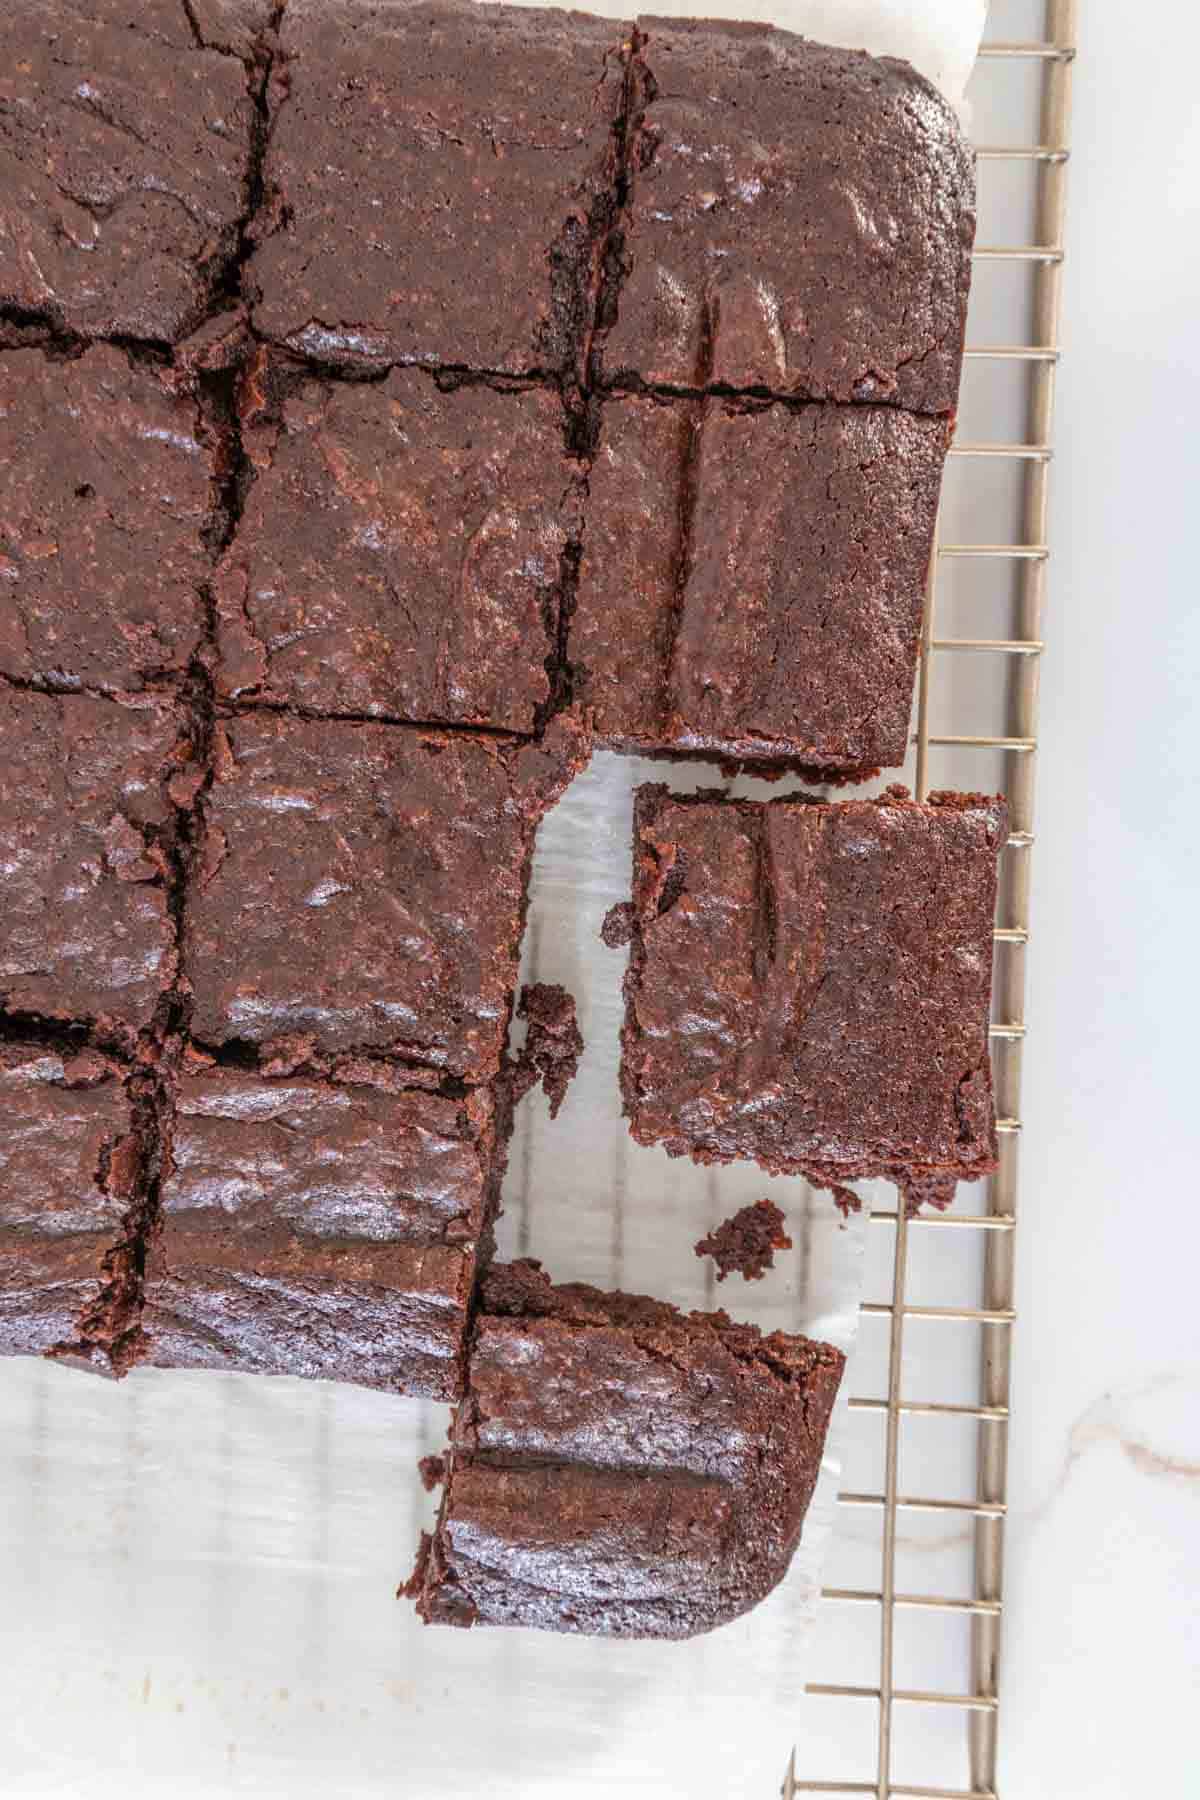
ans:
(989, 1307)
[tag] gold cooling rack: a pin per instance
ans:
(998, 744)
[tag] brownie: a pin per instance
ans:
(747, 1242)
(553, 1042)
(125, 154)
(752, 581)
(440, 177)
(108, 479)
(319, 1227)
(366, 883)
(620, 1468)
(89, 821)
(800, 221)
(71, 1197)
(809, 983)
(401, 551)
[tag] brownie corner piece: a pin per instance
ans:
(834, 962)
(752, 580)
(366, 884)
(124, 178)
(109, 480)
(94, 790)
(402, 552)
(800, 221)
(428, 158)
(325, 1224)
(72, 1201)
(620, 1468)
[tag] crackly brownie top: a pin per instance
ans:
(620, 1467)
(365, 883)
(91, 790)
(401, 550)
(800, 220)
(124, 165)
(430, 174)
(752, 580)
(108, 480)
(276, 1169)
(810, 983)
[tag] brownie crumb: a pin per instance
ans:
(554, 1043)
(926, 1190)
(432, 1471)
(617, 928)
(844, 1198)
(747, 1242)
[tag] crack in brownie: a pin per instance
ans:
(620, 1468)
(809, 984)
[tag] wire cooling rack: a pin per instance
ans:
(916, 1641)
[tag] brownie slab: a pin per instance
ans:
(439, 176)
(365, 884)
(124, 166)
(106, 481)
(400, 552)
(321, 1228)
(70, 1203)
(809, 984)
(800, 221)
(752, 580)
(91, 794)
(620, 1468)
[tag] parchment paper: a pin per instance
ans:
(198, 1570)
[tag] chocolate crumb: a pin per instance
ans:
(747, 1242)
(433, 1472)
(554, 1043)
(617, 928)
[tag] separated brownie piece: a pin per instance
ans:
(320, 1227)
(401, 550)
(620, 1468)
(809, 984)
(800, 221)
(92, 792)
(439, 178)
(366, 884)
(71, 1201)
(125, 153)
(752, 580)
(96, 456)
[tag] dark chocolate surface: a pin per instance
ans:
(620, 1468)
(89, 795)
(752, 581)
(125, 155)
(366, 884)
(107, 481)
(315, 1228)
(70, 1180)
(809, 984)
(401, 552)
(438, 176)
(800, 221)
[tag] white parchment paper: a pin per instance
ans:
(197, 1580)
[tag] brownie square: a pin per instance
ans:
(70, 1205)
(96, 456)
(800, 220)
(809, 984)
(124, 166)
(365, 884)
(315, 1227)
(401, 552)
(440, 177)
(91, 791)
(752, 580)
(620, 1468)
